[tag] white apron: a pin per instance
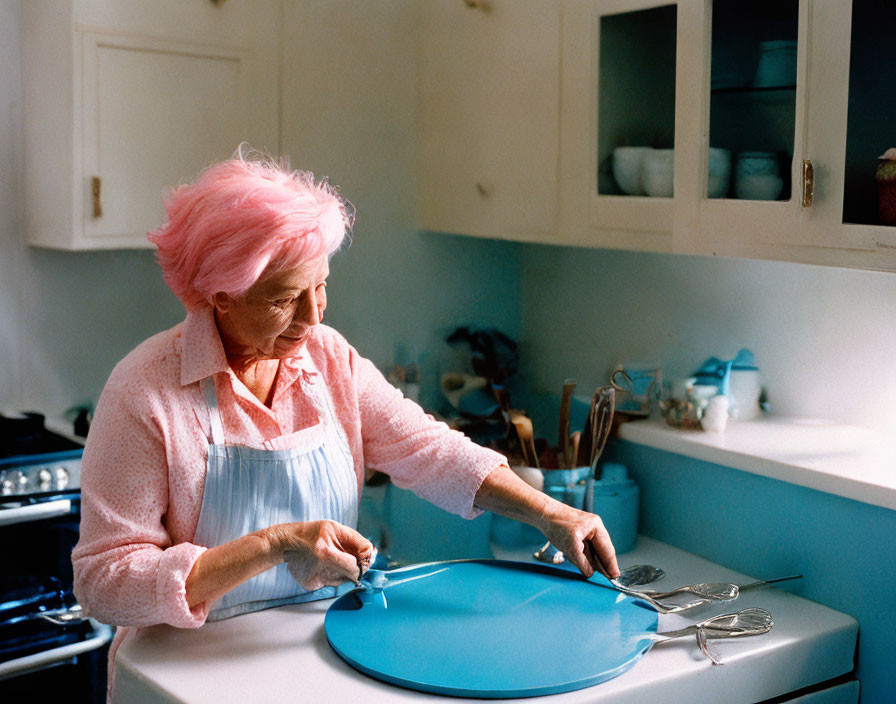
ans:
(307, 475)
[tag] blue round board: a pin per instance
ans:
(490, 629)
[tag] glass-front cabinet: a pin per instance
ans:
(753, 129)
(797, 116)
(851, 130)
(622, 62)
(762, 129)
(747, 113)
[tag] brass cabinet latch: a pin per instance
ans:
(96, 185)
(808, 184)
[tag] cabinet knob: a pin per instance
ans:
(808, 184)
(478, 5)
(96, 185)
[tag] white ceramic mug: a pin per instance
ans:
(627, 162)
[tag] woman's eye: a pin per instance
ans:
(283, 302)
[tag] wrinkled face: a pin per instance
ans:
(273, 319)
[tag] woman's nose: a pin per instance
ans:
(313, 310)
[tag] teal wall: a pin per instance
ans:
(845, 549)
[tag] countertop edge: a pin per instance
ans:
(864, 472)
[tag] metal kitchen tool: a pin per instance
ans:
(717, 591)
(601, 427)
(490, 629)
(638, 575)
(748, 622)
(660, 606)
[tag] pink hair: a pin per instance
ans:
(242, 218)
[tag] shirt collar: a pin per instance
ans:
(202, 353)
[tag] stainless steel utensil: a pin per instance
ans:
(657, 604)
(748, 622)
(636, 575)
(718, 591)
(601, 427)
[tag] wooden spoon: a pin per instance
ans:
(563, 433)
(574, 449)
(526, 434)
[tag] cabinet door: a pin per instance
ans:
(154, 113)
(748, 115)
(488, 113)
(124, 98)
(621, 93)
(851, 113)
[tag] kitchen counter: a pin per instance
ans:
(282, 655)
(842, 460)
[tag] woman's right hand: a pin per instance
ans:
(321, 553)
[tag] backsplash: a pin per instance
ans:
(823, 337)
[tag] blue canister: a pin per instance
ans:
(616, 502)
(615, 498)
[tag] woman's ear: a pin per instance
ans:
(221, 302)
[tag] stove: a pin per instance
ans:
(46, 645)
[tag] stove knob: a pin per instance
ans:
(7, 486)
(62, 476)
(44, 476)
(17, 479)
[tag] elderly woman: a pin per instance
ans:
(226, 457)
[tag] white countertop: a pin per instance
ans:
(282, 655)
(847, 461)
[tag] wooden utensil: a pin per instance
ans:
(574, 449)
(526, 435)
(563, 433)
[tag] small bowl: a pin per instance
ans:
(756, 163)
(758, 187)
(657, 173)
(627, 169)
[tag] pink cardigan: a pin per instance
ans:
(144, 465)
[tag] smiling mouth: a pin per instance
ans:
(293, 339)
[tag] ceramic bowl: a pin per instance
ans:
(756, 164)
(777, 64)
(758, 187)
(719, 172)
(657, 173)
(627, 169)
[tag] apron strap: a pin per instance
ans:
(214, 415)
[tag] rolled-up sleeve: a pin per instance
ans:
(127, 570)
(400, 439)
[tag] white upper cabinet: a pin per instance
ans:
(710, 127)
(125, 98)
(488, 117)
(793, 104)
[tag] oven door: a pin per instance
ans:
(46, 645)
